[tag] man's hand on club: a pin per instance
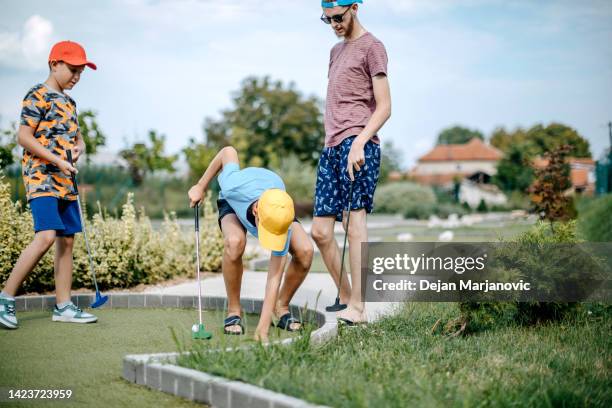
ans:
(66, 167)
(356, 159)
(196, 194)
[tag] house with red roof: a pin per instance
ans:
(444, 164)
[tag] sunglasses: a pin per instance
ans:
(338, 18)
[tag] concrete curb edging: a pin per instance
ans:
(202, 387)
(158, 372)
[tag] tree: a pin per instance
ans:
(551, 182)
(92, 135)
(142, 159)
(198, 156)
(521, 147)
(514, 172)
(503, 140)
(8, 145)
(458, 135)
(390, 160)
(555, 135)
(269, 121)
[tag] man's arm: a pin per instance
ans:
(275, 273)
(382, 95)
(26, 139)
(226, 155)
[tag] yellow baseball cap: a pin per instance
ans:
(276, 213)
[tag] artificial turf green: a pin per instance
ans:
(87, 358)
(397, 362)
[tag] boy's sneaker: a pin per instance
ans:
(72, 314)
(7, 313)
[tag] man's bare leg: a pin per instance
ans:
(301, 250)
(323, 235)
(357, 234)
(234, 244)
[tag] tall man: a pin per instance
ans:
(358, 104)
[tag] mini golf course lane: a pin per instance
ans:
(87, 358)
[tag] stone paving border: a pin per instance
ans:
(158, 372)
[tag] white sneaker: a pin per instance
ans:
(72, 314)
(7, 313)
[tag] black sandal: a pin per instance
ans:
(286, 321)
(233, 321)
(349, 323)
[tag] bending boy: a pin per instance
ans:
(254, 200)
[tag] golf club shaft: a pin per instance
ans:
(348, 220)
(91, 265)
(76, 188)
(197, 237)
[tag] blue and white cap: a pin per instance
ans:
(331, 4)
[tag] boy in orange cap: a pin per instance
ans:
(254, 200)
(49, 127)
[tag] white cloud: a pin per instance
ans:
(28, 48)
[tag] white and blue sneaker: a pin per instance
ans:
(7, 313)
(72, 314)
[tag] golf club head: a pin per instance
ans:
(100, 300)
(198, 332)
(336, 307)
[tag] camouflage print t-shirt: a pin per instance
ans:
(53, 117)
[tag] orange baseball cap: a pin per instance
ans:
(276, 213)
(71, 53)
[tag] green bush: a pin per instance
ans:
(299, 178)
(418, 211)
(482, 206)
(443, 210)
(477, 316)
(127, 251)
(407, 198)
(595, 219)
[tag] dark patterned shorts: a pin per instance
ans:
(333, 182)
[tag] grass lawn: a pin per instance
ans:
(397, 362)
(87, 359)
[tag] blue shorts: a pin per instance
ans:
(51, 213)
(333, 182)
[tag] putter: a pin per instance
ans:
(198, 331)
(100, 300)
(337, 306)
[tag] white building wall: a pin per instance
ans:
(471, 193)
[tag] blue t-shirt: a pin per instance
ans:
(240, 188)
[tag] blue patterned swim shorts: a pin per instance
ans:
(333, 182)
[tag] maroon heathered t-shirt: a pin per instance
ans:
(350, 96)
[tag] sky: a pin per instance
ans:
(167, 65)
